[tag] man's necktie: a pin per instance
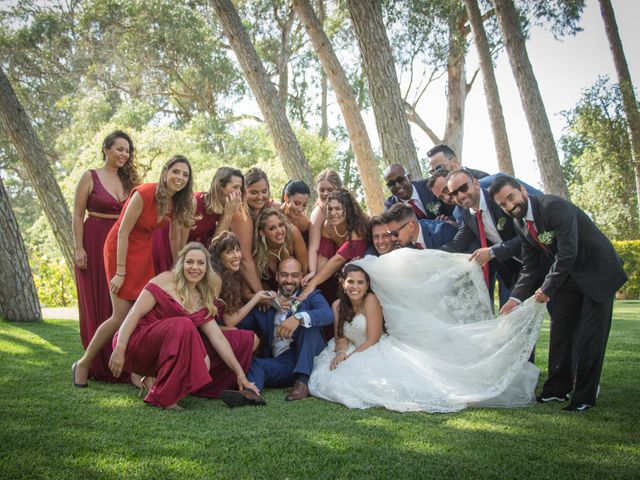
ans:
(419, 213)
(483, 244)
(533, 231)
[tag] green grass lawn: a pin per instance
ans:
(50, 430)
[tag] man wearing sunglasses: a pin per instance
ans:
(406, 230)
(415, 194)
(484, 223)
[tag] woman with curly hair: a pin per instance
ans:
(344, 236)
(100, 195)
(258, 191)
(159, 337)
(127, 250)
(274, 240)
(226, 256)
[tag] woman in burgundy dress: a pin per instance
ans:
(160, 338)
(226, 257)
(344, 237)
(100, 195)
(127, 250)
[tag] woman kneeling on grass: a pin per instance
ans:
(159, 337)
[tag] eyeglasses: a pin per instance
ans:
(464, 188)
(396, 233)
(437, 169)
(398, 179)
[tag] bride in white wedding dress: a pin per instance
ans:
(443, 351)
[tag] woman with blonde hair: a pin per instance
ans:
(127, 251)
(159, 337)
(274, 240)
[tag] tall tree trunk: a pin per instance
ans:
(415, 118)
(324, 117)
(543, 142)
(18, 296)
(285, 25)
(456, 84)
(492, 96)
(629, 101)
(393, 128)
(18, 128)
(365, 159)
(284, 140)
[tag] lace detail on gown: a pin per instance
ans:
(445, 351)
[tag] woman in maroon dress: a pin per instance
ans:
(226, 257)
(100, 195)
(127, 250)
(295, 198)
(160, 338)
(344, 237)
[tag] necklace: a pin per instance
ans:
(335, 229)
(277, 255)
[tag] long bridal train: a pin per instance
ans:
(444, 350)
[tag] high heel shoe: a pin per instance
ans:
(146, 384)
(73, 377)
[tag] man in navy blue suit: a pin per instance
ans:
(415, 194)
(407, 231)
(291, 334)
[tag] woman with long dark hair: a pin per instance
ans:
(344, 236)
(295, 197)
(258, 191)
(127, 251)
(100, 195)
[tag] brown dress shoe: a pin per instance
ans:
(298, 392)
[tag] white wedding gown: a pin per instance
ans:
(444, 350)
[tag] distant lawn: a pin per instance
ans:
(50, 430)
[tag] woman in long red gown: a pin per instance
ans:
(160, 338)
(127, 250)
(100, 195)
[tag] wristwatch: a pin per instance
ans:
(300, 319)
(492, 254)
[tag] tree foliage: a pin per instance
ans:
(598, 164)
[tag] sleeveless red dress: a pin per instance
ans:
(139, 260)
(94, 302)
(206, 223)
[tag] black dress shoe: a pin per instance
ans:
(234, 398)
(73, 377)
(577, 407)
(546, 398)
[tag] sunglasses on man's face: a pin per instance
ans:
(396, 233)
(464, 188)
(437, 169)
(399, 179)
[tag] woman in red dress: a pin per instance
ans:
(295, 197)
(344, 237)
(159, 337)
(127, 250)
(100, 195)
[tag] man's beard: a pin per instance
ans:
(283, 293)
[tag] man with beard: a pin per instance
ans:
(291, 334)
(582, 281)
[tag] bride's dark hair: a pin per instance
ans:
(345, 308)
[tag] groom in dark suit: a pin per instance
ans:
(416, 194)
(291, 336)
(583, 279)
(484, 224)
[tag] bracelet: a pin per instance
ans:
(242, 376)
(121, 274)
(341, 351)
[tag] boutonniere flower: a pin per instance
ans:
(433, 207)
(547, 237)
(501, 222)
